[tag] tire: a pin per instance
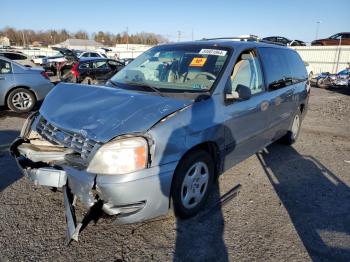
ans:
(322, 83)
(21, 100)
(190, 189)
(89, 81)
(293, 134)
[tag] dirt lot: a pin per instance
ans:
(294, 205)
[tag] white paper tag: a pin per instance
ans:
(213, 52)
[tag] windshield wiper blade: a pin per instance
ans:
(145, 85)
(114, 84)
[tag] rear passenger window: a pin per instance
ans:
(5, 67)
(100, 65)
(85, 66)
(283, 67)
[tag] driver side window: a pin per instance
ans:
(247, 71)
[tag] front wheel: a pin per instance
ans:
(191, 183)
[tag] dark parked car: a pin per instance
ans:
(90, 70)
(284, 41)
(164, 128)
(340, 38)
(65, 57)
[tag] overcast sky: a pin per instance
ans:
(295, 19)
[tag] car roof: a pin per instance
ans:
(6, 59)
(13, 52)
(226, 42)
(86, 51)
(86, 59)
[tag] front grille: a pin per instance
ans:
(78, 143)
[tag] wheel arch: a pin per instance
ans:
(211, 148)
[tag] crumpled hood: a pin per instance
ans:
(102, 113)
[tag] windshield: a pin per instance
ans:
(337, 36)
(175, 68)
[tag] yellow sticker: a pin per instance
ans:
(198, 61)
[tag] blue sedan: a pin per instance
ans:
(22, 87)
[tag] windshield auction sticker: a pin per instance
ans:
(198, 61)
(213, 52)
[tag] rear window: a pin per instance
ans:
(283, 67)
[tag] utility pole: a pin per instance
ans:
(127, 38)
(178, 35)
(317, 28)
(24, 40)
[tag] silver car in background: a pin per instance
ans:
(18, 57)
(22, 87)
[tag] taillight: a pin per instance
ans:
(44, 74)
(74, 70)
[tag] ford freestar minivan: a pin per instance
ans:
(164, 127)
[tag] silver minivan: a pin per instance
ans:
(164, 128)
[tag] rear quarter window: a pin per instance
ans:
(282, 64)
(5, 67)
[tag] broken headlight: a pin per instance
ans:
(28, 124)
(120, 157)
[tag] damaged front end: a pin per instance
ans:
(96, 144)
(49, 156)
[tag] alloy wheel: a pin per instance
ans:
(195, 184)
(22, 101)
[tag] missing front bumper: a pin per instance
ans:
(42, 174)
(129, 198)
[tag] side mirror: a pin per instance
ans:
(242, 93)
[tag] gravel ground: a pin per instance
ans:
(294, 205)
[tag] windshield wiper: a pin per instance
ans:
(114, 84)
(145, 85)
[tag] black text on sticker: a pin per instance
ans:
(213, 52)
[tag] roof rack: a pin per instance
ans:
(237, 38)
(247, 38)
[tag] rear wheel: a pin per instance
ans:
(21, 100)
(293, 134)
(191, 183)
